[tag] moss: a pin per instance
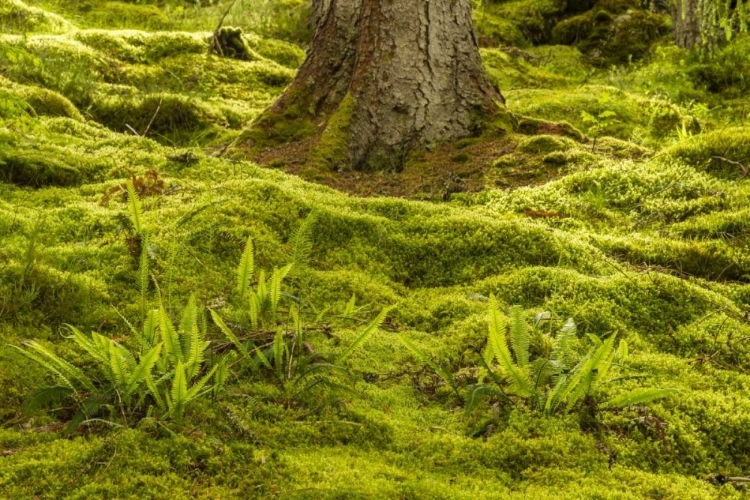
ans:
(716, 151)
(42, 102)
(632, 113)
(333, 150)
(167, 115)
(545, 144)
(18, 17)
(285, 53)
(532, 126)
(613, 32)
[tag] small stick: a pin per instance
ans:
(132, 130)
(145, 132)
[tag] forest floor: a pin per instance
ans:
(639, 230)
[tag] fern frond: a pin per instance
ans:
(229, 334)
(349, 310)
(94, 350)
(421, 356)
(134, 206)
(365, 334)
(515, 375)
(553, 397)
(143, 279)
(44, 396)
(580, 382)
(297, 324)
(143, 370)
(622, 351)
(476, 394)
(639, 396)
(245, 269)
(275, 285)
(262, 289)
(149, 328)
(254, 306)
(179, 393)
(155, 393)
(278, 353)
(63, 378)
(117, 366)
(70, 371)
(169, 336)
(195, 356)
(188, 323)
(196, 389)
(302, 243)
(222, 373)
(263, 359)
(562, 347)
(519, 336)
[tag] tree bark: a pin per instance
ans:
(685, 23)
(384, 77)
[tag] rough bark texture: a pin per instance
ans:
(687, 32)
(387, 76)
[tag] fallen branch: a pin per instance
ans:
(744, 169)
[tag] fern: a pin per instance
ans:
(278, 353)
(188, 323)
(179, 393)
(46, 396)
(349, 309)
(516, 375)
(245, 269)
(639, 396)
(275, 285)
(302, 243)
(170, 338)
(254, 306)
(117, 365)
(519, 336)
(447, 377)
(476, 394)
(143, 279)
(200, 385)
(143, 370)
(562, 348)
(134, 206)
(365, 334)
(66, 371)
(228, 333)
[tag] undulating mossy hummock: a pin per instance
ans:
(616, 197)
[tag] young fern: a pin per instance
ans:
(302, 244)
(245, 269)
(368, 332)
(135, 208)
(421, 356)
(144, 277)
(515, 374)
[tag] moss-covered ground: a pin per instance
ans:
(642, 229)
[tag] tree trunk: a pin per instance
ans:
(384, 77)
(685, 23)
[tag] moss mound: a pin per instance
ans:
(612, 32)
(18, 17)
